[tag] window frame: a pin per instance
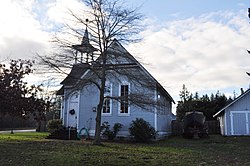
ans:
(120, 103)
(110, 101)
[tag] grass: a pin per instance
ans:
(33, 149)
(18, 128)
(20, 137)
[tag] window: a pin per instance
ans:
(106, 110)
(124, 99)
(107, 90)
(106, 106)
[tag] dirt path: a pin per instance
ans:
(18, 131)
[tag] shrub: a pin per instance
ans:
(108, 133)
(141, 130)
(54, 124)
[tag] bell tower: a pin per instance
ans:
(85, 48)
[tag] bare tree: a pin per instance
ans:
(107, 21)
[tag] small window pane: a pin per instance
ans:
(124, 99)
(106, 106)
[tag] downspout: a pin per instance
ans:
(78, 111)
(155, 110)
(62, 110)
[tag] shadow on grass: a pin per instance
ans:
(33, 149)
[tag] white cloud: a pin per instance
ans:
(20, 32)
(205, 53)
(59, 10)
(27, 25)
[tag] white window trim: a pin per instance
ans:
(68, 104)
(231, 119)
(111, 102)
(155, 111)
(225, 122)
(78, 111)
(119, 103)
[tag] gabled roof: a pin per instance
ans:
(234, 101)
(117, 44)
(60, 92)
(85, 46)
(79, 69)
(76, 72)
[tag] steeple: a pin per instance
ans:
(84, 48)
(85, 38)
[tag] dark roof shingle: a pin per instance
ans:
(77, 71)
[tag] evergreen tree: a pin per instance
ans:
(208, 105)
(17, 99)
(184, 105)
(184, 93)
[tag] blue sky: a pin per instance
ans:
(200, 43)
(206, 28)
(168, 9)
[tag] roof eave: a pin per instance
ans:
(234, 101)
(218, 113)
(165, 92)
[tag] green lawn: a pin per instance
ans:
(33, 149)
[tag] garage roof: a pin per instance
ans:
(234, 101)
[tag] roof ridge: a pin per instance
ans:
(235, 100)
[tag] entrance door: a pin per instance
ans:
(240, 123)
(73, 110)
(248, 122)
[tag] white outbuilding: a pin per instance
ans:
(235, 117)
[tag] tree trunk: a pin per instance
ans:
(97, 140)
(38, 129)
(12, 128)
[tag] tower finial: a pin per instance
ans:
(85, 47)
(85, 38)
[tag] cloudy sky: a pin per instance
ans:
(198, 43)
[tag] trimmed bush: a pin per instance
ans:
(54, 124)
(141, 130)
